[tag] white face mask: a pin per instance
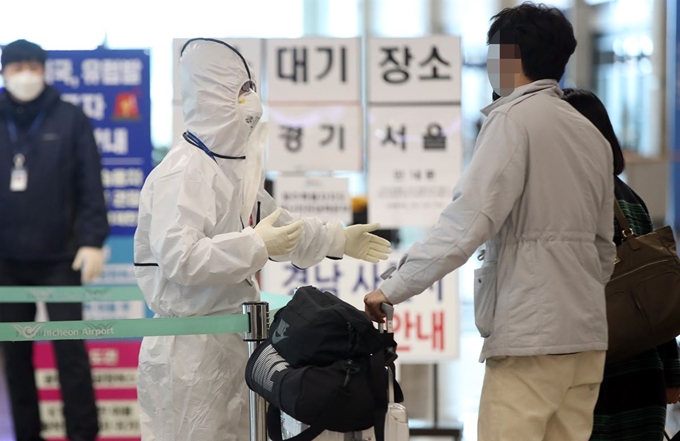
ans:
(250, 110)
(25, 86)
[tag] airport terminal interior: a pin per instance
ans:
(373, 111)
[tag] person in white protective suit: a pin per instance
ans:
(200, 242)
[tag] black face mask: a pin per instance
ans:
(495, 96)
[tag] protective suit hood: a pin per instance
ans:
(211, 74)
(221, 114)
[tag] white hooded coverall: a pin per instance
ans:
(196, 256)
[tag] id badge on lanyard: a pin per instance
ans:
(19, 179)
(19, 175)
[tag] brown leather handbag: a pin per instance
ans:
(643, 294)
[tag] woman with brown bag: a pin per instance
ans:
(635, 391)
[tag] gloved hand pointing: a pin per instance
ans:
(281, 240)
(363, 245)
(90, 261)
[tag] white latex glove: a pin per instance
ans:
(279, 240)
(90, 261)
(362, 245)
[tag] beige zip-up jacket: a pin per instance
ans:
(540, 192)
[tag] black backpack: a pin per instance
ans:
(317, 328)
(324, 365)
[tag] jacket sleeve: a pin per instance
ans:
(604, 240)
(183, 213)
(93, 225)
(483, 199)
(319, 240)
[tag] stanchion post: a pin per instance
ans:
(258, 314)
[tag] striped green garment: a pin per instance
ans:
(637, 217)
(632, 401)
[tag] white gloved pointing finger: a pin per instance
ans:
(90, 261)
(279, 240)
(363, 245)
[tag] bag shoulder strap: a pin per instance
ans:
(338, 402)
(621, 218)
(627, 232)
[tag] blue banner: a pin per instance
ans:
(673, 114)
(112, 87)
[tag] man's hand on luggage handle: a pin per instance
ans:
(372, 305)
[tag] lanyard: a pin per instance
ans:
(193, 139)
(14, 135)
(196, 142)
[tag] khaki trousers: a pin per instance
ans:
(540, 398)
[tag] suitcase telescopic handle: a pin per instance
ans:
(389, 317)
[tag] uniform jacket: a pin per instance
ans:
(63, 207)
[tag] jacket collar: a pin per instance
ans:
(24, 114)
(545, 86)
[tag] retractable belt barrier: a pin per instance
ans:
(253, 324)
(107, 329)
(70, 294)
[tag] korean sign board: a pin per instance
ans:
(114, 376)
(112, 88)
(427, 327)
(322, 197)
(414, 144)
(414, 163)
(314, 98)
(415, 70)
(114, 373)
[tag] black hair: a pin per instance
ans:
(590, 106)
(544, 36)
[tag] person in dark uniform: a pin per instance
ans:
(52, 228)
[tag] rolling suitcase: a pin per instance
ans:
(396, 419)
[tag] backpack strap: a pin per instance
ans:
(329, 415)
